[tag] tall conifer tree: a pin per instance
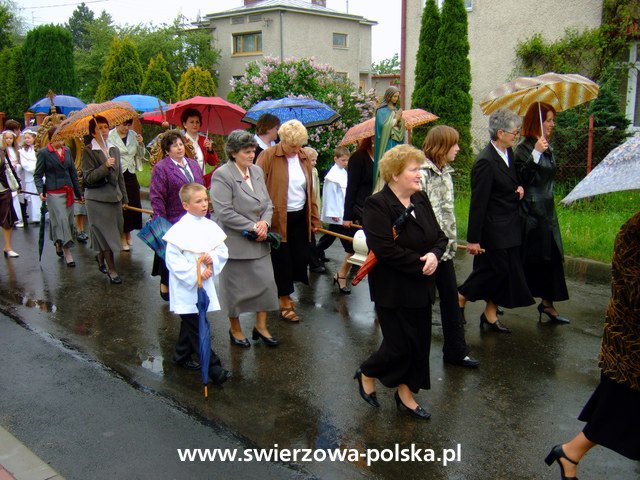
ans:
(122, 72)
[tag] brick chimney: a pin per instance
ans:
(320, 3)
(250, 2)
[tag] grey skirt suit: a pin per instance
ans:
(105, 194)
(246, 283)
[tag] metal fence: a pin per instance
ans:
(571, 149)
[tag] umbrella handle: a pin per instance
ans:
(340, 236)
(199, 273)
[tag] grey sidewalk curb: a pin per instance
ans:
(21, 462)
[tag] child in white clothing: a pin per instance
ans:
(194, 237)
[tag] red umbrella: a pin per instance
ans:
(218, 116)
(155, 117)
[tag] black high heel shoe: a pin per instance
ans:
(542, 308)
(416, 412)
(370, 398)
(496, 326)
(268, 341)
(59, 251)
(555, 455)
(244, 343)
(101, 266)
(343, 290)
(114, 279)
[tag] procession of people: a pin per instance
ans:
(251, 224)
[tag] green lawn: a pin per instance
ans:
(588, 227)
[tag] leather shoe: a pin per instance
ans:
(495, 327)
(416, 412)
(370, 398)
(559, 319)
(244, 343)
(268, 341)
(189, 365)
(115, 279)
(222, 377)
(467, 361)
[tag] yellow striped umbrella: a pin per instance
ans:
(77, 124)
(560, 90)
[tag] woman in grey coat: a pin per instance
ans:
(241, 203)
(105, 195)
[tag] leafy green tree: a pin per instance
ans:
(272, 78)
(387, 66)
(101, 33)
(13, 89)
(157, 80)
(122, 71)
(50, 65)
(196, 81)
(180, 47)
(451, 99)
(78, 25)
(422, 96)
(11, 25)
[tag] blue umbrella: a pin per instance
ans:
(63, 103)
(204, 331)
(153, 231)
(311, 113)
(141, 103)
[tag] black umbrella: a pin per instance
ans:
(43, 213)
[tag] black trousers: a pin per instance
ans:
(189, 343)
(291, 259)
(455, 347)
(327, 240)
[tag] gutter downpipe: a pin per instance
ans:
(281, 36)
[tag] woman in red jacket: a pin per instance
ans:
(205, 155)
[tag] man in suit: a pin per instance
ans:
(495, 232)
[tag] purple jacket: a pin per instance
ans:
(166, 180)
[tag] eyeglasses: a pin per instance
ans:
(515, 134)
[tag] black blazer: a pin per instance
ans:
(494, 220)
(57, 174)
(359, 184)
(397, 279)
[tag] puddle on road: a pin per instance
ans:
(35, 303)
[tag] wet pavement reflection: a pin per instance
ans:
(505, 416)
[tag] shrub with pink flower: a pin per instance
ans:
(272, 78)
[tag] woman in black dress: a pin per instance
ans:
(612, 413)
(542, 257)
(401, 283)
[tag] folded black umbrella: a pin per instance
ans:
(273, 238)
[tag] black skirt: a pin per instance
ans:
(613, 418)
(545, 278)
(403, 356)
(7, 214)
(132, 220)
(498, 277)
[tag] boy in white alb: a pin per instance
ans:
(192, 238)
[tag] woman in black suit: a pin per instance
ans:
(542, 255)
(401, 283)
(359, 182)
(495, 226)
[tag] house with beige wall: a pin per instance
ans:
(290, 29)
(495, 29)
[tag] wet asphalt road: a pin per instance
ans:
(505, 416)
